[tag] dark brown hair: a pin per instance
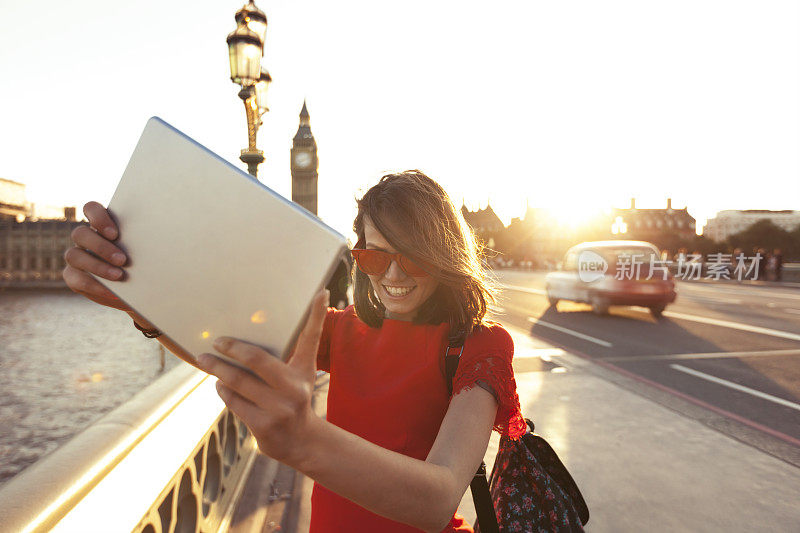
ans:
(415, 215)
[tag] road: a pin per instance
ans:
(731, 349)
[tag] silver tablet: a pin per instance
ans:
(212, 251)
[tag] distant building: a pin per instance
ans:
(33, 239)
(539, 237)
(653, 224)
(304, 164)
(730, 222)
(485, 223)
(305, 175)
(547, 235)
(32, 252)
(13, 202)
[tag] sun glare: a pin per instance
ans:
(573, 216)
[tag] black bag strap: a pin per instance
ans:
(452, 356)
(481, 497)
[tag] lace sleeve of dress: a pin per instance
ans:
(487, 358)
(324, 352)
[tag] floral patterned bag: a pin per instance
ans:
(530, 489)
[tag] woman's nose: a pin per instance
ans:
(394, 272)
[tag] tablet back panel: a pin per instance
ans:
(212, 251)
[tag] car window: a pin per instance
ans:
(630, 254)
(571, 261)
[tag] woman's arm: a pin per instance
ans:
(276, 406)
(423, 494)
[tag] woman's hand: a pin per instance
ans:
(94, 252)
(276, 405)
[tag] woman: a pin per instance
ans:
(395, 452)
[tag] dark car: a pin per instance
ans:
(606, 273)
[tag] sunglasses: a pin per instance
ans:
(376, 262)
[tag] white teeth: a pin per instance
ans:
(396, 291)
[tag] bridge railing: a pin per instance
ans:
(172, 459)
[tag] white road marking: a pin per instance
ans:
(529, 290)
(734, 325)
(595, 340)
(526, 347)
(736, 301)
(736, 386)
(706, 355)
(545, 354)
(712, 298)
(737, 290)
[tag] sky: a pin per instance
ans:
(571, 106)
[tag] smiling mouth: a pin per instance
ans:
(398, 292)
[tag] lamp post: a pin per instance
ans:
(246, 48)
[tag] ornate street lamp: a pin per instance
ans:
(261, 91)
(246, 48)
(255, 19)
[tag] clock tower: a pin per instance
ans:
(304, 164)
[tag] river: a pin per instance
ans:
(64, 362)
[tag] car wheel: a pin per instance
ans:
(599, 305)
(552, 299)
(657, 310)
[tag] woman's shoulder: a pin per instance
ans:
(336, 314)
(343, 319)
(490, 337)
(487, 359)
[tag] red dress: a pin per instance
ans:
(388, 386)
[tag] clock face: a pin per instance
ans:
(302, 159)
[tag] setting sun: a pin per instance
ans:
(573, 217)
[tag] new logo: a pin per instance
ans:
(591, 266)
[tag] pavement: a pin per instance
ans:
(642, 464)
